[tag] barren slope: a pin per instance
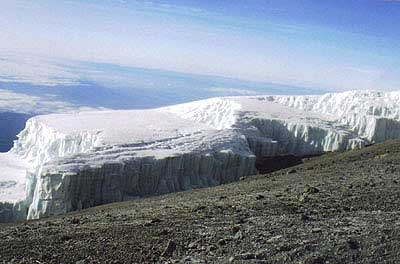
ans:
(337, 208)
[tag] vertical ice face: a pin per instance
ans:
(379, 104)
(75, 161)
(373, 115)
(39, 143)
(114, 181)
(284, 137)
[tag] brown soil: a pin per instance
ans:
(337, 208)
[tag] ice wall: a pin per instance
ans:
(72, 172)
(274, 137)
(39, 143)
(195, 145)
(61, 192)
(372, 115)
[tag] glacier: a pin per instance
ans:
(66, 162)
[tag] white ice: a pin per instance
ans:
(216, 132)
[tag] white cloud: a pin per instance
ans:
(232, 91)
(22, 103)
(36, 70)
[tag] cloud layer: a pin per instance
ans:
(26, 104)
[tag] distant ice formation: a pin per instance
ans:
(66, 162)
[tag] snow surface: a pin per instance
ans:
(79, 160)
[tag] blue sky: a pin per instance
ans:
(336, 45)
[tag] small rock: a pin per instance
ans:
(169, 250)
(155, 220)
(245, 256)
(263, 254)
(190, 260)
(239, 235)
(305, 217)
(303, 198)
(75, 221)
(241, 220)
(164, 232)
(316, 230)
(291, 171)
(221, 242)
(284, 248)
(211, 248)
(199, 208)
(235, 229)
(274, 239)
(310, 189)
(260, 197)
(353, 244)
(192, 245)
(65, 237)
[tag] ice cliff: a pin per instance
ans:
(66, 162)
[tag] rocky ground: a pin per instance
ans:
(337, 208)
